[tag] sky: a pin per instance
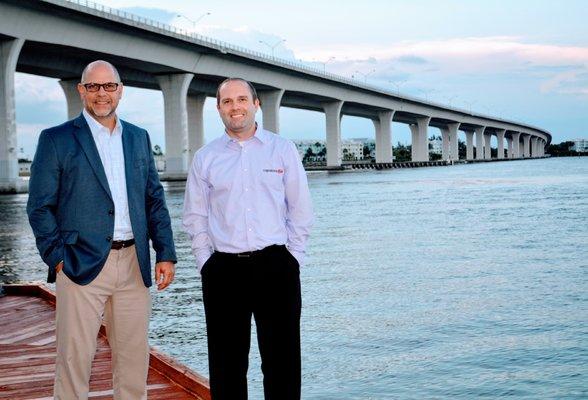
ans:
(521, 60)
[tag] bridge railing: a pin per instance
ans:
(91, 7)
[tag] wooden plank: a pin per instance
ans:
(27, 354)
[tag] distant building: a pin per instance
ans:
(580, 145)
(24, 167)
(311, 151)
(352, 150)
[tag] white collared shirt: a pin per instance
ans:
(111, 153)
(244, 196)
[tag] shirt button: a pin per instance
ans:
(108, 238)
(246, 189)
(245, 170)
(248, 209)
(249, 229)
(110, 212)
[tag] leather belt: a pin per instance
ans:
(119, 244)
(249, 254)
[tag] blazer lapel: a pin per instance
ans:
(127, 143)
(86, 141)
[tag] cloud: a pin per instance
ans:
(157, 14)
(556, 68)
(412, 60)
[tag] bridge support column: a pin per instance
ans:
(516, 137)
(72, 97)
(479, 143)
(270, 106)
(445, 142)
(333, 124)
(175, 91)
(526, 146)
(9, 180)
(534, 147)
(453, 141)
(420, 139)
(500, 144)
(487, 147)
(509, 148)
(542, 148)
(195, 109)
(383, 127)
(469, 145)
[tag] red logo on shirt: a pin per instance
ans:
(277, 171)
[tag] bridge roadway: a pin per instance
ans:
(57, 38)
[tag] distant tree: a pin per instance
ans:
(308, 155)
(402, 153)
(563, 149)
(366, 151)
(461, 149)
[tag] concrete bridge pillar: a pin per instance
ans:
(479, 131)
(487, 146)
(72, 97)
(9, 51)
(195, 110)
(469, 145)
(445, 142)
(516, 137)
(534, 146)
(526, 146)
(500, 145)
(420, 139)
(175, 91)
(453, 141)
(383, 127)
(333, 124)
(270, 106)
(542, 148)
(509, 148)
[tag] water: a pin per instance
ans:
(436, 283)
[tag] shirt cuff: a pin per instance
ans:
(299, 256)
(201, 257)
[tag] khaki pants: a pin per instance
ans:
(118, 294)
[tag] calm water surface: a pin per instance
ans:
(437, 283)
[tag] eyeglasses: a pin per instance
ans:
(95, 87)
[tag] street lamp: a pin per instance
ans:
(397, 84)
(325, 64)
(469, 103)
(364, 74)
(451, 98)
(193, 21)
(273, 46)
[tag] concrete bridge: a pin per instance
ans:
(57, 38)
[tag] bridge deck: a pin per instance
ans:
(27, 354)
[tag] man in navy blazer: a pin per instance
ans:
(95, 201)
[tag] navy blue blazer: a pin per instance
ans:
(70, 206)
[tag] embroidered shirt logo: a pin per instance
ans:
(277, 171)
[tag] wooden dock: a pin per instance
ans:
(27, 354)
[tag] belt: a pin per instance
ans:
(119, 244)
(249, 254)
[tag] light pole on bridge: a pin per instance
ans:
(193, 21)
(365, 76)
(272, 46)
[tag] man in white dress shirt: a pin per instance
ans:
(248, 213)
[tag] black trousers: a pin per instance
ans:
(266, 285)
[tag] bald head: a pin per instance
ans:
(97, 65)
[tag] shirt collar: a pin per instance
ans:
(260, 134)
(96, 126)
